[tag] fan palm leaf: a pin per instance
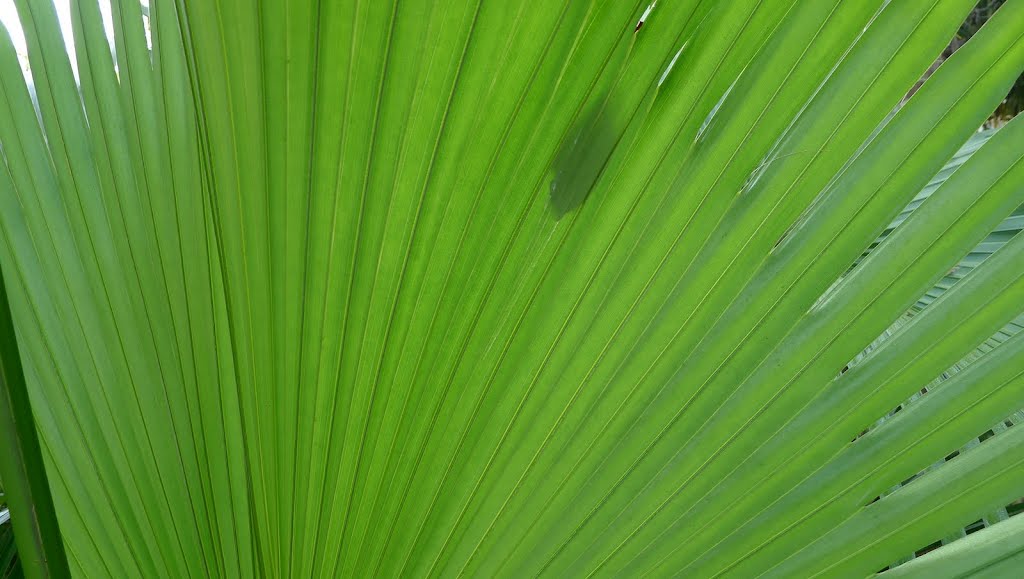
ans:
(515, 288)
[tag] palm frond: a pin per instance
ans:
(515, 288)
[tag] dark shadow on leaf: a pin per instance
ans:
(580, 159)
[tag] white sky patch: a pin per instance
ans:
(9, 18)
(643, 17)
(671, 64)
(714, 111)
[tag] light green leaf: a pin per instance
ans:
(479, 288)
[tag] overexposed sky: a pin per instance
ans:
(9, 18)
